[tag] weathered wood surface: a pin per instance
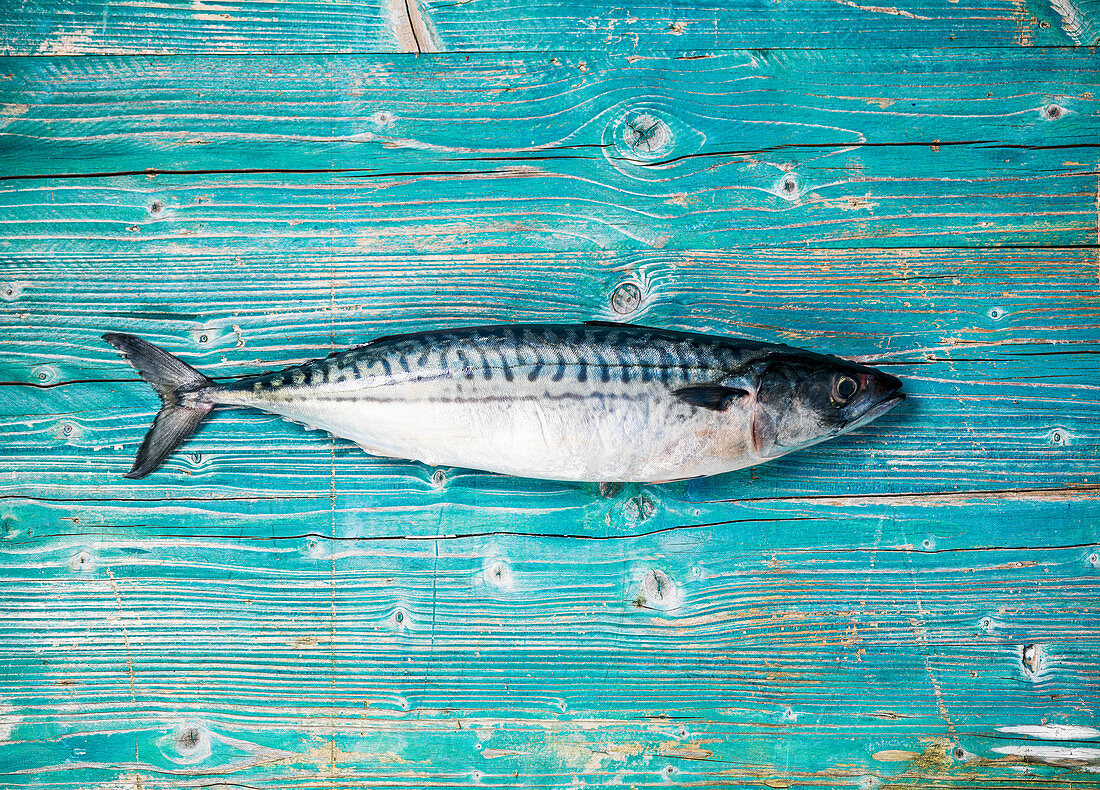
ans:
(914, 605)
(1009, 385)
(435, 154)
(103, 27)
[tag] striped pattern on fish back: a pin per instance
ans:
(510, 357)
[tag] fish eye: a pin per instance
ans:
(844, 388)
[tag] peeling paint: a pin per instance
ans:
(1062, 756)
(9, 720)
(1054, 732)
(67, 43)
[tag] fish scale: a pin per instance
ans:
(599, 402)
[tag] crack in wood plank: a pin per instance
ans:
(411, 26)
(125, 636)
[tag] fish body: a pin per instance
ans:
(597, 402)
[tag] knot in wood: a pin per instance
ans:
(45, 374)
(188, 739)
(626, 298)
(187, 743)
(498, 573)
(645, 136)
(1032, 657)
(659, 590)
(315, 548)
(82, 562)
(788, 187)
(640, 508)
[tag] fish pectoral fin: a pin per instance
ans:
(711, 396)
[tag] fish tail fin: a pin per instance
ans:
(174, 381)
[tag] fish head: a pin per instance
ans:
(805, 398)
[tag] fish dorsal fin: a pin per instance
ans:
(711, 396)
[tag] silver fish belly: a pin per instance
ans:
(560, 404)
(585, 403)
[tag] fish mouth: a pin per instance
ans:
(880, 408)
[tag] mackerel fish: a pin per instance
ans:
(595, 402)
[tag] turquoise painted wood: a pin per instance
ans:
(440, 154)
(103, 27)
(914, 605)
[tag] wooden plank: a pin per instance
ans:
(392, 155)
(531, 661)
(1004, 383)
(55, 27)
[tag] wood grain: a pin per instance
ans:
(1004, 384)
(782, 149)
(913, 605)
(98, 27)
(278, 608)
(532, 660)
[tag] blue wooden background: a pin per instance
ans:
(251, 184)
